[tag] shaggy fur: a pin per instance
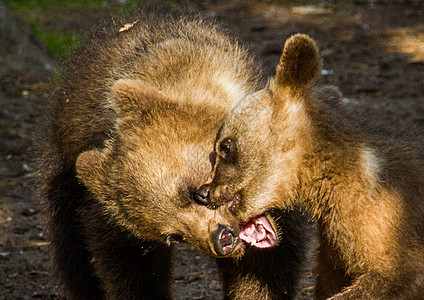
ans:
(131, 121)
(296, 142)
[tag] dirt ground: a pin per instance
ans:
(372, 50)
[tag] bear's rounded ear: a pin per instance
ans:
(132, 95)
(299, 63)
(90, 170)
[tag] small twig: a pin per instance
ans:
(35, 244)
(39, 272)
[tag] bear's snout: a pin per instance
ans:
(225, 240)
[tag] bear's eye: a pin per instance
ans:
(227, 149)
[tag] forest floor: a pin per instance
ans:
(372, 50)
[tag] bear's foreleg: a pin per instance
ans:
(377, 286)
(71, 258)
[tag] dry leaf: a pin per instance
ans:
(127, 26)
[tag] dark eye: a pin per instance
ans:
(227, 149)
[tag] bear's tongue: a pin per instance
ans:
(258, 232)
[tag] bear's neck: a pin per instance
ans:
(336, 164)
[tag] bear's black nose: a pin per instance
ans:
(225, 240)
(201, 196)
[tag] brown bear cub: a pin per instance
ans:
(295, 142)
(131, 121)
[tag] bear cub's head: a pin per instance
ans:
(260, 145)
(153, 162)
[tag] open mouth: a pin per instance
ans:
(258, 232)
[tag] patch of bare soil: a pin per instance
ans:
(372, 50)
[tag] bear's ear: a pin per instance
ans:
(299, 63)
(133, 95)
(90, 170)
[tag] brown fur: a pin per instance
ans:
(131, 121)
(361, 180)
